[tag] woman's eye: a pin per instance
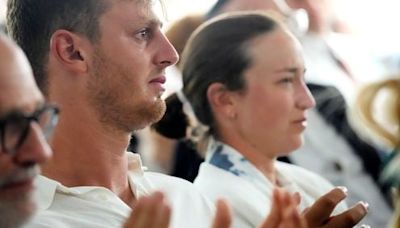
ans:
(287, 80)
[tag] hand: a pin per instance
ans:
(150, 212)
(284, 213)
(223, 217)
(319, 214)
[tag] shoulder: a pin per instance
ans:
(176, 188)
(48, 219)
(217, 183)
(213, 181)
(168, 183)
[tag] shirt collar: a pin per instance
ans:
(228, 158)
(47, 188)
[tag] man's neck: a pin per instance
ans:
(86, 154)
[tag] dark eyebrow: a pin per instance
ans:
(155, 22)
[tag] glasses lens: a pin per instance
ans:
(48, 120)
(14, 131)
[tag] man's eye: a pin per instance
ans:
(144, 34)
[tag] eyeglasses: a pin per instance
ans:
(14, 128)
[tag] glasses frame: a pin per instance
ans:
(34, 117)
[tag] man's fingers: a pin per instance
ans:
(148, 211)
(321, 210)
(139, 207)
(223, 217)
(164, 216)
(147, 216)
(350, 217)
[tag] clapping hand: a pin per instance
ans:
(319, 214)
(284, 213)
(150, 212)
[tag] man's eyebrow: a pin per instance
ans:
(150, 22)
(155, 22)
(291, 70)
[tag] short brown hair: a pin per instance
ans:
(31, 24)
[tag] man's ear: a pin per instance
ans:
(221, 100)
(69, 50)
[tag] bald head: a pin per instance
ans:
(20, 153)
(17, 85)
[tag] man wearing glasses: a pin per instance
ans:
(25, 123)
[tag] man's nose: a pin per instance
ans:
(167, 54)
(35, 149)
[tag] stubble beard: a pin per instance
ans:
(107, 99)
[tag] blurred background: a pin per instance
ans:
(373, 21)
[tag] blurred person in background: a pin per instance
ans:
(337, 65)
(376, 116)
(334, 58)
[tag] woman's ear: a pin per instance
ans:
(68, 49)
(221, 100)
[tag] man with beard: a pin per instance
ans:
(25, 120)
(103, 63)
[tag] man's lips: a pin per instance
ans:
(160, 79)
(20, 180)
(18, 187)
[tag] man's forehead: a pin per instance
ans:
(155, 8)
(18, 89)
(22, 96)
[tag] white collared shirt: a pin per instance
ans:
(90, 206)
(226, 173)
